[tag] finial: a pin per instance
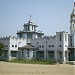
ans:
(30, 17)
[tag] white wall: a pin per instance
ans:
(52, 40)
(63, 43)
(16, 41)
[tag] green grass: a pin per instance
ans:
(32, 61)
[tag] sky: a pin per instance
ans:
(51, 16)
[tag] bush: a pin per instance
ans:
(32, 61)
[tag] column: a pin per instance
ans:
(17, 54)
(63, 56)
(55, 56)
(67, 55)
(45, 55)
(9, 55)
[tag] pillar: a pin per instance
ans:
(45, 55)
(17, 55)
(55, 56)
(9, 55)
(67, 55)
(64, 59)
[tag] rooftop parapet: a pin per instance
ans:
(46, 37)
(62, 32)
(10, 37)
(21, 31)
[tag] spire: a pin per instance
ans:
(73, 11)
(74, 3)
(30, 17)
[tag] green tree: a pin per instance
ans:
(1, 48)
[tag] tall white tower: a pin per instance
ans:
(72, 21)
(72, 35)
(72, 27)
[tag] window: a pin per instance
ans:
(12, 45)
(41, 54)
(33, 50)
(28, 50)
(28, 28)
(51, 54)
(52, 45)
(40, 46)
(49, 45)
(20, 35)
(70, 38)
(33, 54)
(29, 36)
(71, 44)
(60, 54)
(60, 45)
(28, 53)
(59, 37)
(65, 37)
(13, 53)
(15, 45)
(25, 27)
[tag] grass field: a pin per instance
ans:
(7, 68)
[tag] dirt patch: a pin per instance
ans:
(7, 68)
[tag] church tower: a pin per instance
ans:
(71, 47)
(72, 21)
(72, 27)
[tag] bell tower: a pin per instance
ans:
(72, 21)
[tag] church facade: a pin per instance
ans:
(31, 43)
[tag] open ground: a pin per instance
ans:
(7, 68)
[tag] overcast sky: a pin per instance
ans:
(50, 15)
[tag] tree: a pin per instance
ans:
(1, 47)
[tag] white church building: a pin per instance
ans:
(31, 43)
